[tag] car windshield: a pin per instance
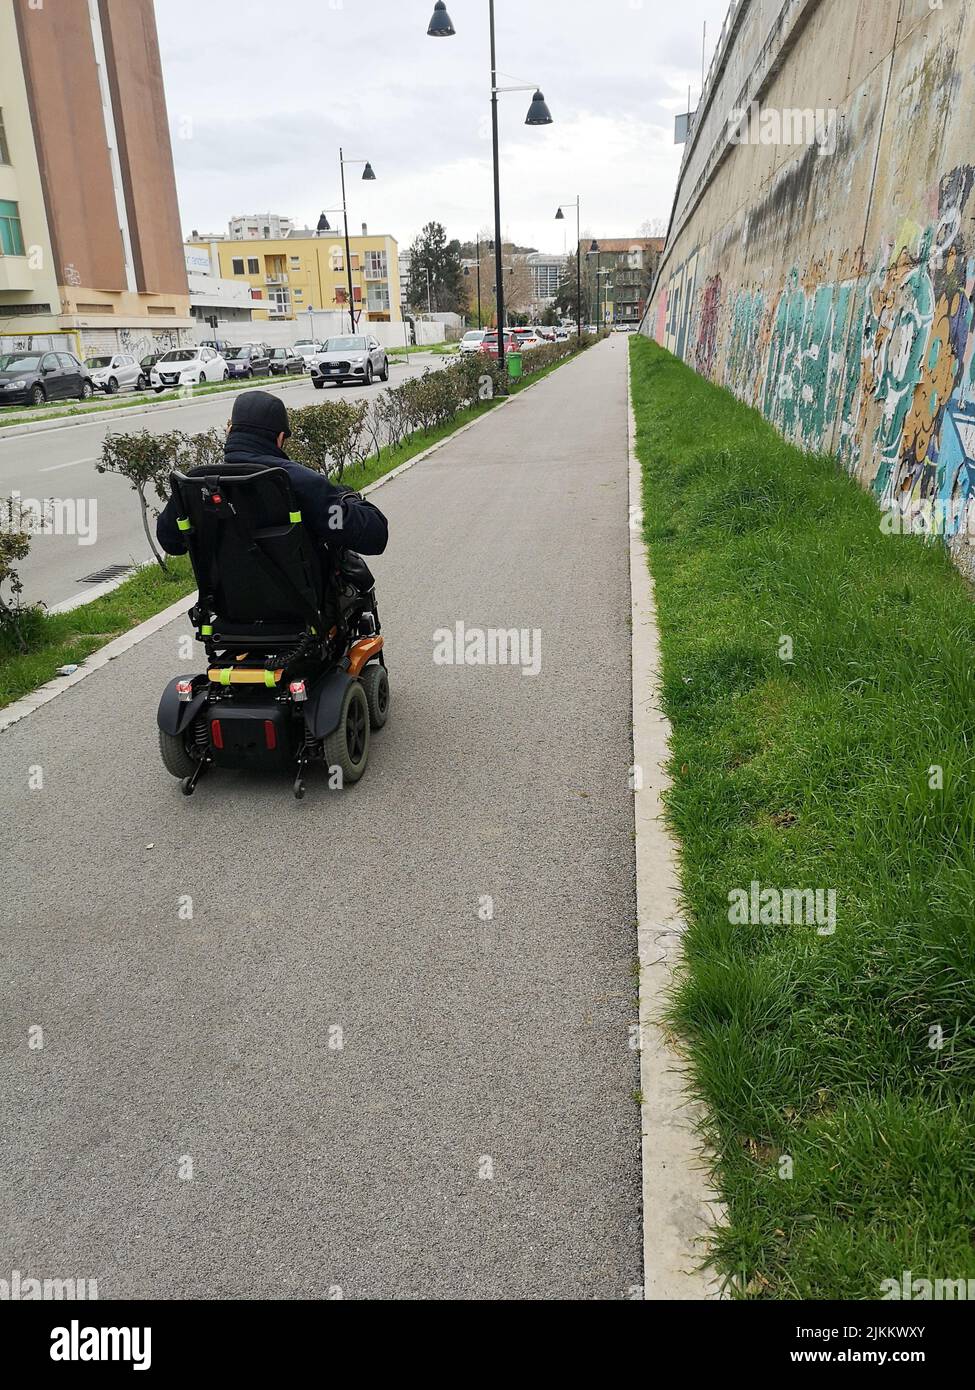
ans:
(96, 362)
(179, 355)
(305, 342)
(232, 353)
(20, 362)
(345, 345)
(469, 337)
(280, 352)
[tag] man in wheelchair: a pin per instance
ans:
(286, 611)
(338, 518)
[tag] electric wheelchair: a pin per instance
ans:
(296, 672)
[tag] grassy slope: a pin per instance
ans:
(816, 774)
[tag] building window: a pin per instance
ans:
(295, 262)
(11, 235)
(377, 296)
(253, 266)
(237, 265)
(376, 265)
(341, 295)
(299, 294)
(4, 151)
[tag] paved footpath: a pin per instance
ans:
(475, 1135)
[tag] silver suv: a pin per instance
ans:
(356, 358)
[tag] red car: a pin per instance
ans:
(490, 343)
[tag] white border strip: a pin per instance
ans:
(20, 709)
(678, 1205)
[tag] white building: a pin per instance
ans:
(211, 296)
(546, 273)
(260, 226)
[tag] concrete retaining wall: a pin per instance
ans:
(831, 284)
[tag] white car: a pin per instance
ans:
(308, 348)
(471, 342)
(188, 366)
(111, 373)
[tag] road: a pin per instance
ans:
(61, 464)
(336, 1075)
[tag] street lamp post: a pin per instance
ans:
(367, 173)
(440, 27)
(560, 217)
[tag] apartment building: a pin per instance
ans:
(631, 264)
(260, 226)
(290, 276)
(91, 254)
(546, 272)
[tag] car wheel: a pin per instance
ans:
(112, 386)
(384, 374)
(87, 391)
(38, 395)
(368, 373)
(141, 384)
(226, 375)
(317, 384)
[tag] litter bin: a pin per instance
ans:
(514, 366)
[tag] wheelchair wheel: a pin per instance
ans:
(375, 682)
(175, 755)
(348, 747)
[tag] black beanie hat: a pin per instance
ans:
(260, 411)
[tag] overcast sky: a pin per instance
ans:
(261, 94)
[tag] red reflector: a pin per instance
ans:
(216, 733)
(270, 734)
(217, 497)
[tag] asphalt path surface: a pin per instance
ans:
(389, 1054)
(60, 464)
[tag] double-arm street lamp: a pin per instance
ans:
(467, 271)
(367, 173)
(440, 27)
(560, 217)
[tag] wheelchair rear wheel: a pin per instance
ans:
(348, 747)
(175, 755)
(375, 682)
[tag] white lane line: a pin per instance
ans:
(53, 468)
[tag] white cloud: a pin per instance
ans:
(266, 93)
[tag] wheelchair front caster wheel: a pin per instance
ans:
(375, 682)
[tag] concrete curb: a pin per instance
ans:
(20, 709)
(679, 1207)
(92, 417)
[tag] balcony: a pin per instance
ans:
(15, 273)
(276, 279)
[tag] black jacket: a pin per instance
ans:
(337, 517)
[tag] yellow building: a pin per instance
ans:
(290, 276)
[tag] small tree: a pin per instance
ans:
(328, 437)
(16, 525)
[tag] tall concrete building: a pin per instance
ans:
(260, 226)
(91, 253)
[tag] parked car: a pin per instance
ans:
(471, 342)
(251, 359)
(307, 348)
(525, 338)
(146, 365)
(286, 360)
(218, 344)
(31, 378)
(111, 372)
(349, 359)
(489, 346)
(188, 367)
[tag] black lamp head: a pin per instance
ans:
(538, 112)
(367, 172)
(440, 26)
(323, 224)
(560, 216)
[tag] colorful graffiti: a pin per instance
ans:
(876, 366)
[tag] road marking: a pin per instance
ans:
(53, 468)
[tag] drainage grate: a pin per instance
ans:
(109, 572)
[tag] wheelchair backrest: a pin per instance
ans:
(253, 559)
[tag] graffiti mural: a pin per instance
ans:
(876, 365)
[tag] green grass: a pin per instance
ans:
(815, 774)
(423, 347)
(59, 639)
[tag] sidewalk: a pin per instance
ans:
(393, 1042)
